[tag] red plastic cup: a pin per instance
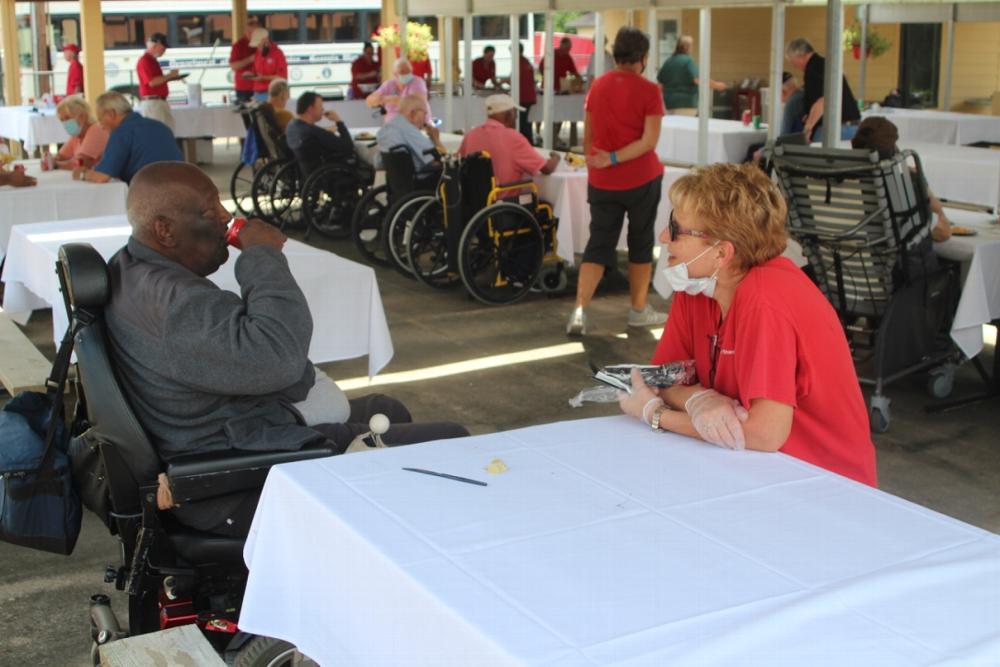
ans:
(746, 117)
(233, 233)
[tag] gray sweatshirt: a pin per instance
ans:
(206, 369)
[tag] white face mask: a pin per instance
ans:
(677, 276)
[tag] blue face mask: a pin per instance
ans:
(71, 126)
(405, 78)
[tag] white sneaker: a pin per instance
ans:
(577, 324)
(646, 317)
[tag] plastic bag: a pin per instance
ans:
(602, 393)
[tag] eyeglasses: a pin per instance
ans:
(676, 230)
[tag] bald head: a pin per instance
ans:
(174, 208)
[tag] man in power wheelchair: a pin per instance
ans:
(324, 184)
(191, 393)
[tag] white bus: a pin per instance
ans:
(320, 39)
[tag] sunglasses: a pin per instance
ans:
(676, 230)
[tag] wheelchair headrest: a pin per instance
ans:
(85, 275)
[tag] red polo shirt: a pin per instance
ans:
(273, 63)
(782, 341)
(74, 78)
(148, 69)
(527, 83)
(618, 103)
(241, 49)
(359, 68)
(483, 71)
(562, 65)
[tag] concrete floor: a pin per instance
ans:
(949, 462)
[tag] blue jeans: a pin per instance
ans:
(847, 132)
(260, 96)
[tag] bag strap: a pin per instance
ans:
(56, 384)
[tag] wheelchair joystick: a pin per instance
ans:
(379, 424)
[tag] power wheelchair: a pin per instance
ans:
(498, 240)
(172, 574)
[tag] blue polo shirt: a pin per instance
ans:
(138, 141)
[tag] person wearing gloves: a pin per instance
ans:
(774, 369)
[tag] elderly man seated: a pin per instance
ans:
(514, 159)
(410, 128)
(207, 369)
(312, 144)
(277, 99)
(134, 142)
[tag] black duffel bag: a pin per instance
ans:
(39, 507)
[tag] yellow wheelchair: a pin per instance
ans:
(498, 240)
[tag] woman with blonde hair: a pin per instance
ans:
(774, 368)
(87, 138)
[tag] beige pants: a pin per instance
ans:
(686, 111)
(157, 110)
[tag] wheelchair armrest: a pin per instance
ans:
(204, 476)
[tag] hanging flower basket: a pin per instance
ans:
(418, 39)
(875, 43)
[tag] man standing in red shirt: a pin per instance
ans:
(74, 77)
(241, 58)
(269, 63)
(484, 69)
(563, 64)
(365, 73)
(529, 96)
(153, 88)
(622, 114)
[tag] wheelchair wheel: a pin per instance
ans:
(368, 225)
(500, 254)
(285, 196)
(399, 220)
(329, 198)
(427, 247)
(260, 190)
(241, 188)
(263, 651)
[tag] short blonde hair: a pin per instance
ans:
(75, 105)
(277, 87)
(736, 203)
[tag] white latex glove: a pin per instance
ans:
(642, 401)
(717, 418)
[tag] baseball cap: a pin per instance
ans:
(257, 36)
(71, 47)
(158, 38)
(500, 103)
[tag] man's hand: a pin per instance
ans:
(719, 86)
(332, 115)
(174, 74)
(642, 401)
(256, 232)
(433, 132)
(717, 418)
(599, 159)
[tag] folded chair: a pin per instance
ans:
(864, 228)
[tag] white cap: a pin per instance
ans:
(500, 103)
(257, 36)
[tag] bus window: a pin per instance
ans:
(220, 27)
(119, 32)
(65, 30)
(333, 27)
(496, 27)
(191, 31)
(284, 27)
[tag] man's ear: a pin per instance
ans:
(164, 232)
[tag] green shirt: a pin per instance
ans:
(677, 78)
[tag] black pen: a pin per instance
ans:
(447, 476)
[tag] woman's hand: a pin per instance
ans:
(717, 418)
(599, 159)
(643, 399)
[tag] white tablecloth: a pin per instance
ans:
(32, 128)
(566, 190)
(980, 300)
(960, 173)
(605, 544)
(368, 148)
(218, 121)
(343, 296)
(728, 140)
(941, 127)
(56, 197)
